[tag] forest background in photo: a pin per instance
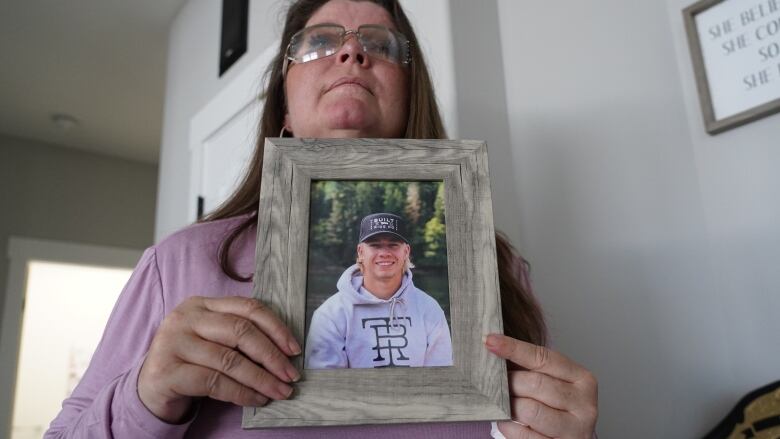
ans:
(337, 206)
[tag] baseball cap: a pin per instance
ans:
(379, 223)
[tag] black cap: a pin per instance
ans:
(379, 223)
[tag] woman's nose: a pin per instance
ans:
(352, 51)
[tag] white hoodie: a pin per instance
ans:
(353, 328)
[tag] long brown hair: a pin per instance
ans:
(522, 315)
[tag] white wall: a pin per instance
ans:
(481, 101)
(57, 193)
(62, 194)
(740, 189)
(192, 82)
(431, 22)
(652, 243)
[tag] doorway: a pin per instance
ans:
(58, 301)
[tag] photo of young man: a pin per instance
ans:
(378, 318)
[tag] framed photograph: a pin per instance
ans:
(367, 234)
(735, 49)
(380, 256)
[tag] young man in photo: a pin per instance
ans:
(378, 318)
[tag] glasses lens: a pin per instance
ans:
(315, 42)
(383, 43)
(323, 40)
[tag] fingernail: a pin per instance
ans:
(293, 373)
(295, 348)
(290, 392)
(260, 400)
(490, 340)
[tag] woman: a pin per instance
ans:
(184, 328)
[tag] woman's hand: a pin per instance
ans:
(233, 349)
(551, 396)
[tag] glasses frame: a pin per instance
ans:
(345, 33)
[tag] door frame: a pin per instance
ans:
(240, 95)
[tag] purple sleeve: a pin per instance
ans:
(105, 403)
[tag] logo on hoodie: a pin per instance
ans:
(390, 340)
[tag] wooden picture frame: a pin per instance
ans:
(736, 64)
(475, 387)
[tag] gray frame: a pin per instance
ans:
(475, 387)
(714, 126)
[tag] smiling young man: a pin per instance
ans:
(378, 318)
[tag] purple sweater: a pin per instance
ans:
(105, 404)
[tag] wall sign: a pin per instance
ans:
(735, 47)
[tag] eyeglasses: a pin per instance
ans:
(323, 40)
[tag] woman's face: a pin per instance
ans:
(348, 94)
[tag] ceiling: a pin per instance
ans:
(99, 61)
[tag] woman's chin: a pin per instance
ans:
(351, 119)
(346, 113)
